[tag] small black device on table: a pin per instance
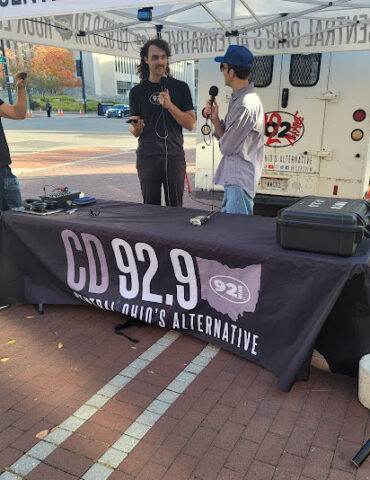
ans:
(61, 196)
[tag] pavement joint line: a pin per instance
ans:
(85, 412)
(23, 171)
(11, 476)
(159, 406)
(25, 464)
(98, 472)
(168, 396)
(58, 436)
(97, 401)
(140, 427)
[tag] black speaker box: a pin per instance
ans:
(324, 225)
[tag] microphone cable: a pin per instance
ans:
(208, 138)
(213, 92)
(163, 83)
(206, 130)
(213, 207)
(161, 115)
(213, 161)
(204, 203)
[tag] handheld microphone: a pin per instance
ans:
(213, 92)
(163, 82)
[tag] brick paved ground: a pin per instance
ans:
(231, 422)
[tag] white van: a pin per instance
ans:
(317, 117)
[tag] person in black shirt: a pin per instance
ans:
(10, 195)
(162, 106)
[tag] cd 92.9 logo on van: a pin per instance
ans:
(283, 129)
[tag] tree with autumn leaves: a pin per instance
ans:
(50, 69)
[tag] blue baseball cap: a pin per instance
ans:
(237, 55)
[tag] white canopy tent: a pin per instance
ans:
(193, 29)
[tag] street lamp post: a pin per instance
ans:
(80, 73)
(83, 83)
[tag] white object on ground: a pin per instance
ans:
(364, 381)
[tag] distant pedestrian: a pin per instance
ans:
(48, 108)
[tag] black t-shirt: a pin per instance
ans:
(4, 149)
(144, 103)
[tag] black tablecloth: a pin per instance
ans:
(227, 282)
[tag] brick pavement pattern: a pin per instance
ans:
(231, 422)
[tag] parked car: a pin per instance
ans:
(118, 111)
(103, 107)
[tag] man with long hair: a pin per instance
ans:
(160, 107)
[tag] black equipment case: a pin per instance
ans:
(324, 225)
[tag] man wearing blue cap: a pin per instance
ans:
(241, 134)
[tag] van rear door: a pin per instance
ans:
(347, 127)
(294, 127)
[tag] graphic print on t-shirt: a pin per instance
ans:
(154, 98)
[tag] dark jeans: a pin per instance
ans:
(10, 194)
(156, 170)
